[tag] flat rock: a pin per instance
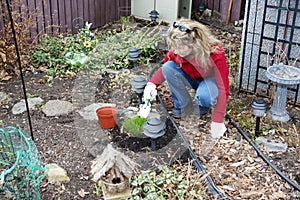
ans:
(56, 174)
(3, 97)
(89, 112)
(57, 108)
(272, 145)
(20, 107)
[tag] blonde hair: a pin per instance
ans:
(200, 39)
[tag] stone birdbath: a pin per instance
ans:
(283, 75)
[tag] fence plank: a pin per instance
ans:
(68, 12)
(74, 13)
(217, 5)
(51, 13)
(99, 11)
(110, 14)
(91, 17)
(62, 15)
(236, 10)
(124, 8)
(30, 16)
(224, 9)
(85, 9)
(103, 12)
(54, 16)
(47, 17)
(80, 8)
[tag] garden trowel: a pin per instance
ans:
(144, 109)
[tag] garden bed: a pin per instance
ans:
(233, 164)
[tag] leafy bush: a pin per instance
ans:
(134, 125)
(169, 183)
(112, 51)
(64, 53)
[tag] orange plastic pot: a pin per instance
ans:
(107, 116)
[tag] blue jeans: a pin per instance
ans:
(179, 82)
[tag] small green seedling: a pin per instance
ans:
(134, 125)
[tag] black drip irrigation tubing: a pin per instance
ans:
(211, 186)
(216, 26)
(261, 154)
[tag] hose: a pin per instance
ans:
(211, 187)
(261, 154)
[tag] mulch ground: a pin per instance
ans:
(236, 169)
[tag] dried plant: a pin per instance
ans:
(281, 55)
(24, 21)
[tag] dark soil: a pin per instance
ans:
(62, 140)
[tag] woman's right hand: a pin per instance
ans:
(150, 91)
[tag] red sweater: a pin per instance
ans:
(219, 70)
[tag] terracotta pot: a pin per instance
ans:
(107, 116)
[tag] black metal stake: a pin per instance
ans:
(20, 66)
(257, 124)
(153, 144)
(140, 96)
(135, 68)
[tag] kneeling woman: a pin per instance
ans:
(195, 60)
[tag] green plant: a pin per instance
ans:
(134, 125)
(123, 19)
(112, 52)
(32, 95)
(98, 188)
(246, 122)
(64, 53)
(169, 183)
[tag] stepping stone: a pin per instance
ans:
(20, 107)
(57, 108)
(89, 112)
(272, 145)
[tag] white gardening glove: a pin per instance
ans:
(217, 130)
(150, 91)
(144, 110)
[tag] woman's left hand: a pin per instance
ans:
(217, 129)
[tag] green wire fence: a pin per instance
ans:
(20, 168)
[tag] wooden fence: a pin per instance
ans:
(61, 15)
(223, 7)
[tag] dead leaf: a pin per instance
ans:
(82, 193)
(3, 56)
(238, 163)
(227, 187)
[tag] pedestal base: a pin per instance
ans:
(278, 111)
(283, 118)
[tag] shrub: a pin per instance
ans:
(134, 125)
(111, 52)
(64, 53)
